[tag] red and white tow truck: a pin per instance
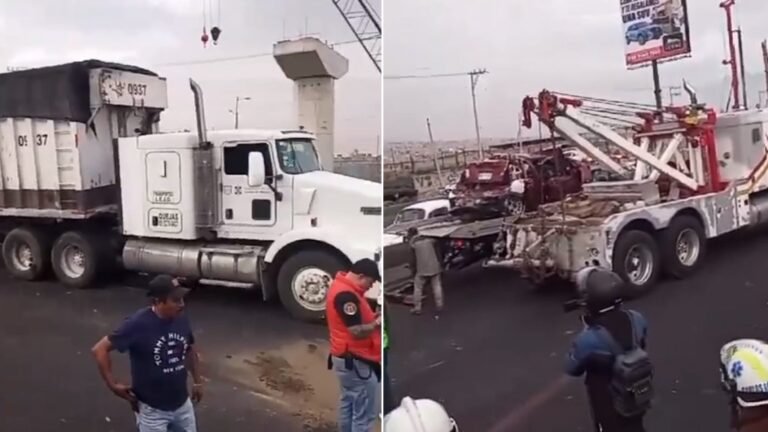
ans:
(698, 175)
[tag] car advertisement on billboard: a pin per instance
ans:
(655, 30)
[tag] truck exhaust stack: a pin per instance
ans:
(199, 111)
(691, 92)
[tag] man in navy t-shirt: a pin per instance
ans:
(161, 346)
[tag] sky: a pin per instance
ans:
(159, 34)
(562, 45)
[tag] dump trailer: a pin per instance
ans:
(698, 175)
(89, 186)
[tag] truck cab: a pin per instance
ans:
(255, 206)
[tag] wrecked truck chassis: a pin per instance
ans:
(542, 247)
(543, 252)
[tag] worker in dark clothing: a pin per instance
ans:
(426, 268)
(355, 336)
(610, 331)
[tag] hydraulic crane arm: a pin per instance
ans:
(566, 130)
(364, 22)
(552, 110)
(630, 147)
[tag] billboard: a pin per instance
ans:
(655, 30)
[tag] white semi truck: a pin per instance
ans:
(87, 185)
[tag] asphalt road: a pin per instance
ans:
(494, 358)
(264, 370)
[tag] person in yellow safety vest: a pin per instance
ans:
(744, 374)
(420, 415)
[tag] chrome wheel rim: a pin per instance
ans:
(310, 287)
(72, 262)
(23, 259)
(639, 264)
(688, 247)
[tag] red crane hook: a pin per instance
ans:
(204, 37)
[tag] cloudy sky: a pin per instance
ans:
(159, 33)
(564, 45)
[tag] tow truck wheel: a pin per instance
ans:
(76, 259)
(25, 253)
(636, 260)
(682, 245)
(303, 281)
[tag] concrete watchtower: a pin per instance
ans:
(313, 66)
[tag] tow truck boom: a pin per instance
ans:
(554, 111)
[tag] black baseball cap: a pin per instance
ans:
(367, 267)
(163, 287)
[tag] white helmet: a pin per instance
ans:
(744, 371)
(421, 415)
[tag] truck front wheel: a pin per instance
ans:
(76, 257)
(303, 281)
(682, 245)
(25, 253)
(636, 260)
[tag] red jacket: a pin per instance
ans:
(342, 340)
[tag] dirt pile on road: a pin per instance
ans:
(293, 376)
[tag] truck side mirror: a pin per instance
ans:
(256, 169)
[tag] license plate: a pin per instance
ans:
(485, 176)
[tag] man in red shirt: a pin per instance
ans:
(355, 335)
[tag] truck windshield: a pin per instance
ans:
(297, 156)
(409, 215)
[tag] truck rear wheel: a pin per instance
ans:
(636, 260)
(682, 246)
(303, 281)
(76, 259)
(25, 253)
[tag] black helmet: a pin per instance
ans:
(599, 288)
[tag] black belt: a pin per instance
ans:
(349, 365)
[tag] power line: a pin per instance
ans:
(235, 58)
(440, 75)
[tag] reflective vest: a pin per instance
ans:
(386, 336)
(342, 340)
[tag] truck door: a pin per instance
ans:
(254, 206)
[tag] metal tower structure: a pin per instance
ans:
(365, 23)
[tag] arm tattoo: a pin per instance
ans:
(362, 331)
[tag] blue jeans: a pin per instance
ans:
(359, 405)
(150, 419)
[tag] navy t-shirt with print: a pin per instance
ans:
(157, 348)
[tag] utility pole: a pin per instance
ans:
(765, 63)
(743, 70)
(673, 91)
(657, 87)
(434, 153)
(474, 76)
(727, 5)
(236, 112)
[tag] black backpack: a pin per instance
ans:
(631, 385)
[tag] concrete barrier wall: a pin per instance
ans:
(447, 161)
(367, 169)
(429, 183)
